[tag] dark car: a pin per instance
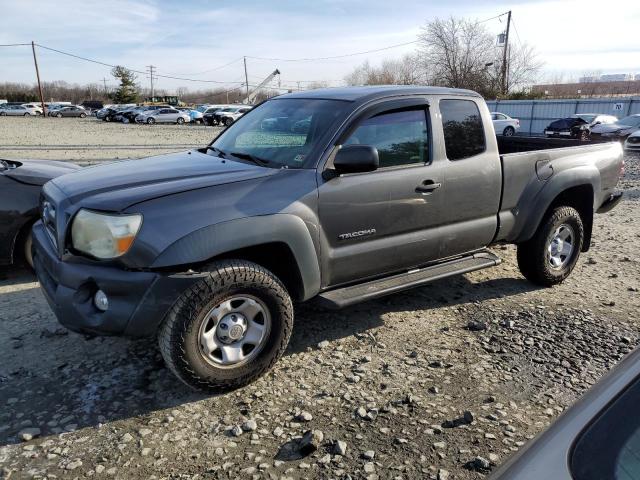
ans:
(597, 438)
(107, 114)
(571, 127)
(71, 111)
(21, 183)
(208, 116)
(208, 249)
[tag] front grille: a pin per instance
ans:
(49, 221)
(633, 139)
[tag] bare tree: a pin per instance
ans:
(404, 71)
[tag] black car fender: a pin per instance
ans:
(215, 240)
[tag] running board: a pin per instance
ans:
(343, 297)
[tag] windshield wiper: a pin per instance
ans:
(247, 156)
(220, 153)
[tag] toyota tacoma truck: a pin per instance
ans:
(351, 194)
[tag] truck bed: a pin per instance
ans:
(528, 163)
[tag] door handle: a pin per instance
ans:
(428, 186)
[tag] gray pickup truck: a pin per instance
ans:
(336, 195)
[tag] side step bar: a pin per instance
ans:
(343, 297)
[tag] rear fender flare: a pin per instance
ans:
(531, 210)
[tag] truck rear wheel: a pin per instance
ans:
(227, 329)
(553, 251)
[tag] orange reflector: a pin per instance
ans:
(123, 244)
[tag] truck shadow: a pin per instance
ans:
(58, 381)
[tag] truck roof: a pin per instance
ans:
(354, 94)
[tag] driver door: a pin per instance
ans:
(383, 221)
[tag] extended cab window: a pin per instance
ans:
(400, 137)
(463, 129)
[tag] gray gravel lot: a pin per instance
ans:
(444, 381)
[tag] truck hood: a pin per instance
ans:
(116, 186)
(36, 172)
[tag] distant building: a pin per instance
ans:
(616, 77)
(623, 88)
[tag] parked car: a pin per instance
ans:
(503, 124)
(597, 438)
(619, 130)
(20, 111)
(21, 183)
(227, 116)
(235, 232)
(209, 113)
(571, 127)
(72, 111)
(122, 114)
(596, 118)
(106, 114)
(633, 141)
(163, 115)
(197, 113)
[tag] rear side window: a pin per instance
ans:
(400, 137)
(463, 130)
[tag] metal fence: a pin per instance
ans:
(535, 115)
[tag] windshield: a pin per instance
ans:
(631, 120)
(281, 133)
(586, 118)
(201, 109)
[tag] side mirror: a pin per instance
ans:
(356, 159)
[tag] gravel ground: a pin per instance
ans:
(87, 140)
(444, 381)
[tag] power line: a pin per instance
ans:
(335, 56)
(493, 18)
(516, 30)
(185, 79)
(210, 70)
(14, 44)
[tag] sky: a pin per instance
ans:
(206, 39)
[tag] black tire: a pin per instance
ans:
(509, 132)
(26, 115)
(228, 121)
(534, 255)
(151, 121)
(2, 114)
(82, 115)
(59, 115)
(107, 118)
(178, 336)
(180, 121)
(28, 256)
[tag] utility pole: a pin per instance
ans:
(35, 61)
(151, 67)
(104, 80)
(505, 69)
(246, 77)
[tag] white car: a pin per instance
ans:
(632, 142)
(26, 110)
(505, 125)
(594, 119)
(163, 115)
(227, 116)
(618, 130)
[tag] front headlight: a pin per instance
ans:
(103, 235)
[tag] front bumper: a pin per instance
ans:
(138, 300)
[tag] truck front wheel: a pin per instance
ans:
(227, 329)
(552, 253)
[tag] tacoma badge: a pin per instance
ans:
(359, 233)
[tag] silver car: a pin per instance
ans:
(21, 111)
(163, 115)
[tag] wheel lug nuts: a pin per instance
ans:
(224, 326)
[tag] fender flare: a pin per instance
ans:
(531, 210)
(214, 240)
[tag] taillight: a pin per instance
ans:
(517, 122)
(622, 169)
